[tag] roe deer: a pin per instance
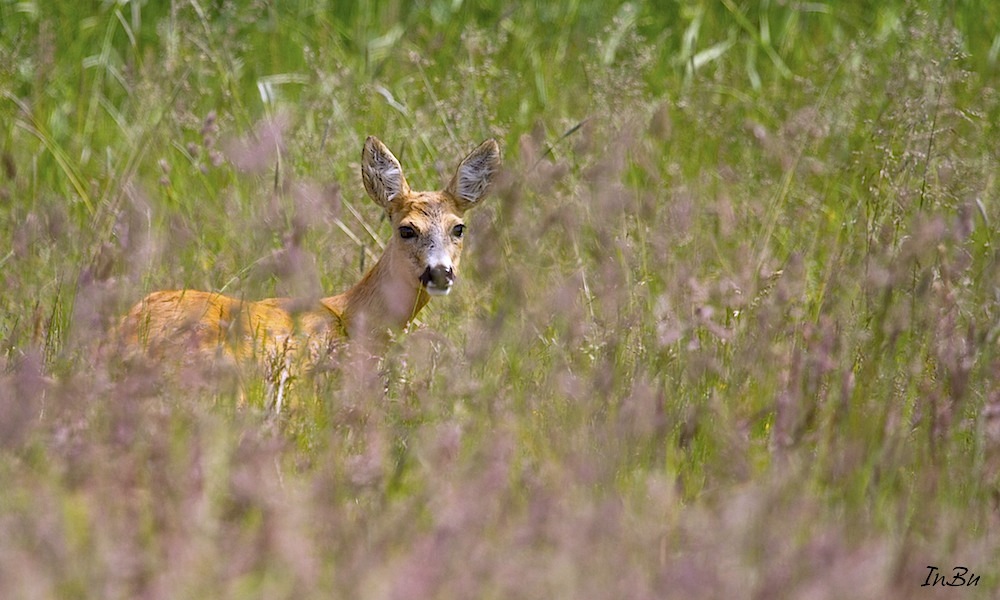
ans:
(419, 261)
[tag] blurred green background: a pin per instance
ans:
(728, 327)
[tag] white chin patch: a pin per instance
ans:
(437, 291)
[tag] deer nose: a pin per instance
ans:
(438, 278)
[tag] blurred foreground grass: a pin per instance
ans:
(728, 329)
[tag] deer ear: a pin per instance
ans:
(382, 174)
(475, 174)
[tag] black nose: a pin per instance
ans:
(439, 277)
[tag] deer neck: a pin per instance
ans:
(387, 297)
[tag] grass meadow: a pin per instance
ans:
(727, 328)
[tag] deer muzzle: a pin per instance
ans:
(437, 280)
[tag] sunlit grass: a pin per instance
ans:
(727, 327)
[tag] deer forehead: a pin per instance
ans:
(428, 210)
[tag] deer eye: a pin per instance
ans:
(406, 232)
(458, 230)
